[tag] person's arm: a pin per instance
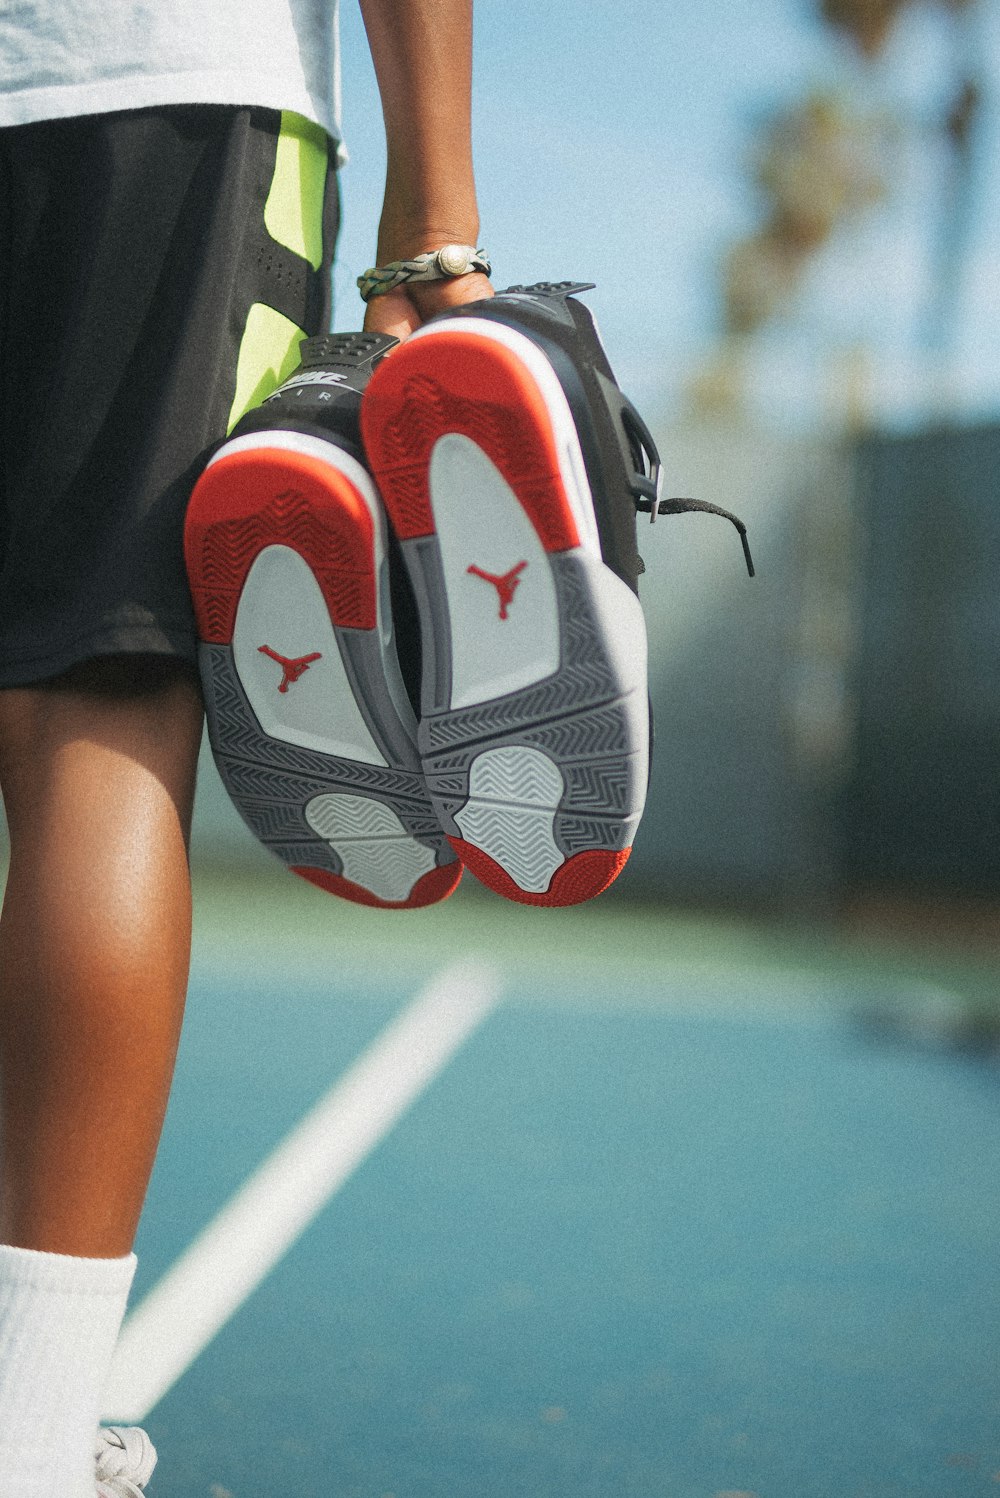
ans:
(422, 51)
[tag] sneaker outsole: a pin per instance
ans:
(534, 722)
(309, 723)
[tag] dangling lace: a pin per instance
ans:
(686, 506)
(646, 482)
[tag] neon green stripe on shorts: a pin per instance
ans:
(293, 218)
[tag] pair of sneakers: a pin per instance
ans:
(414, 572)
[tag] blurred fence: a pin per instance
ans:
(748, 678)
(833, 727)
(921, 805)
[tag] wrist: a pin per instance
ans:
(404, 242)
(412, 224)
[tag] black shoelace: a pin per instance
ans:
(647, 479)
(702, 507)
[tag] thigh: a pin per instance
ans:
(104, 755)
(162, 266)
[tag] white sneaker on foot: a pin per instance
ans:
(125, 1458)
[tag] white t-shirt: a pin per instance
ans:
(69, 57)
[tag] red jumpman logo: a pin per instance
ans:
(294, 668)
(505, 585)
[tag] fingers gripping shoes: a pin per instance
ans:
(124, 1458)
(309, 720)
(512, 467)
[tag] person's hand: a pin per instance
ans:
(402, 311)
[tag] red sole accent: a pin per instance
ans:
(580, 878)
(458, 381)
(271, 496)
(431, 889)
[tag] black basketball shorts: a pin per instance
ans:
(158, 270)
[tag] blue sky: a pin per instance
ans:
(611, 142)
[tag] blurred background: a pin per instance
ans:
(792, 214)
(707, 1208)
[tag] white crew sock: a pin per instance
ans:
(59, 1322)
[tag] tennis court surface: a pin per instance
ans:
(585, 1204)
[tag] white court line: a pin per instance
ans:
(235, 1252)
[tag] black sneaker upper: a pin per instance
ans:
(322, 397)
(563, 328)
(623, 465)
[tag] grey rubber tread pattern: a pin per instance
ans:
(423, 561)
(584, 678)
(263, 799)
(578, 717)
(363, 663)
(316, 855)
(605, 787)
(271, 782)
(231, 720)
(274, 821)
(578, 834)
(596, 732)
(264, 781)
(600, 785)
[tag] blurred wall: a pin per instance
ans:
(920, 807)
(747, 677)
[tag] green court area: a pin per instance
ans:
(894, 957)
(689, 1207)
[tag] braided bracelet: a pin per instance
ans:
(436, 265)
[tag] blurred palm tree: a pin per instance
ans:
(820, 166)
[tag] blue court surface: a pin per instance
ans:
(620, 1206)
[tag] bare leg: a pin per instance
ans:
(97, 771)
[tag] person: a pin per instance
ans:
(169, 207)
